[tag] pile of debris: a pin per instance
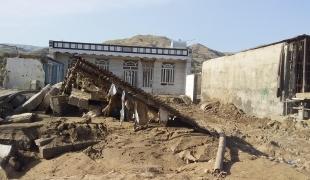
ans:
(87, 91)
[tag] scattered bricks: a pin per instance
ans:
(21, 118)
(34, 101)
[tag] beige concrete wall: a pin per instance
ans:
(247, 79)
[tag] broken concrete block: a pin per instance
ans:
(43, 141)
(59, 105)
(92, 113)
(98, 95)
(34, 101)
(45, 104)
(79, 99)
(21, 118)
(52, 150)
(5, 151)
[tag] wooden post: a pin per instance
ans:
(304, 66)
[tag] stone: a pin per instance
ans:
(209, 105)
(154, 169)
(21, 118)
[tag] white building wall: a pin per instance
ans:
(116, 67)
(178, 88)
(190, 86)
(20, 72)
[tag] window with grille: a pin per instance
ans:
(167, 74)
(103, 63)
(130, 72)
(147, 74)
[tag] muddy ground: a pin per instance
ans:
(256, 149)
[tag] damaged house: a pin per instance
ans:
(266, 81)
(155, 70)
(26, 72)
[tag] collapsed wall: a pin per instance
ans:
(247, 79)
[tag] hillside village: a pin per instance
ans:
(148, 107)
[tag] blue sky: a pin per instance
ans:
(224, 25)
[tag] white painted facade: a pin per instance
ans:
(20, 72)
(149, 64)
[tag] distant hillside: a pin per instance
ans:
(143, 40)
(200, 52)
(11, 49)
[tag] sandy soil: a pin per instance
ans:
(256, 149)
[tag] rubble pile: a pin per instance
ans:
(86, 92)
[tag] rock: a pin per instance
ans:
(34, 101)
(154, 169)
(92, 113)
(209, 105)
(21, 118)
(187, 156)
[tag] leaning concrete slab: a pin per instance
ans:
(21, 118)
(34, 101)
